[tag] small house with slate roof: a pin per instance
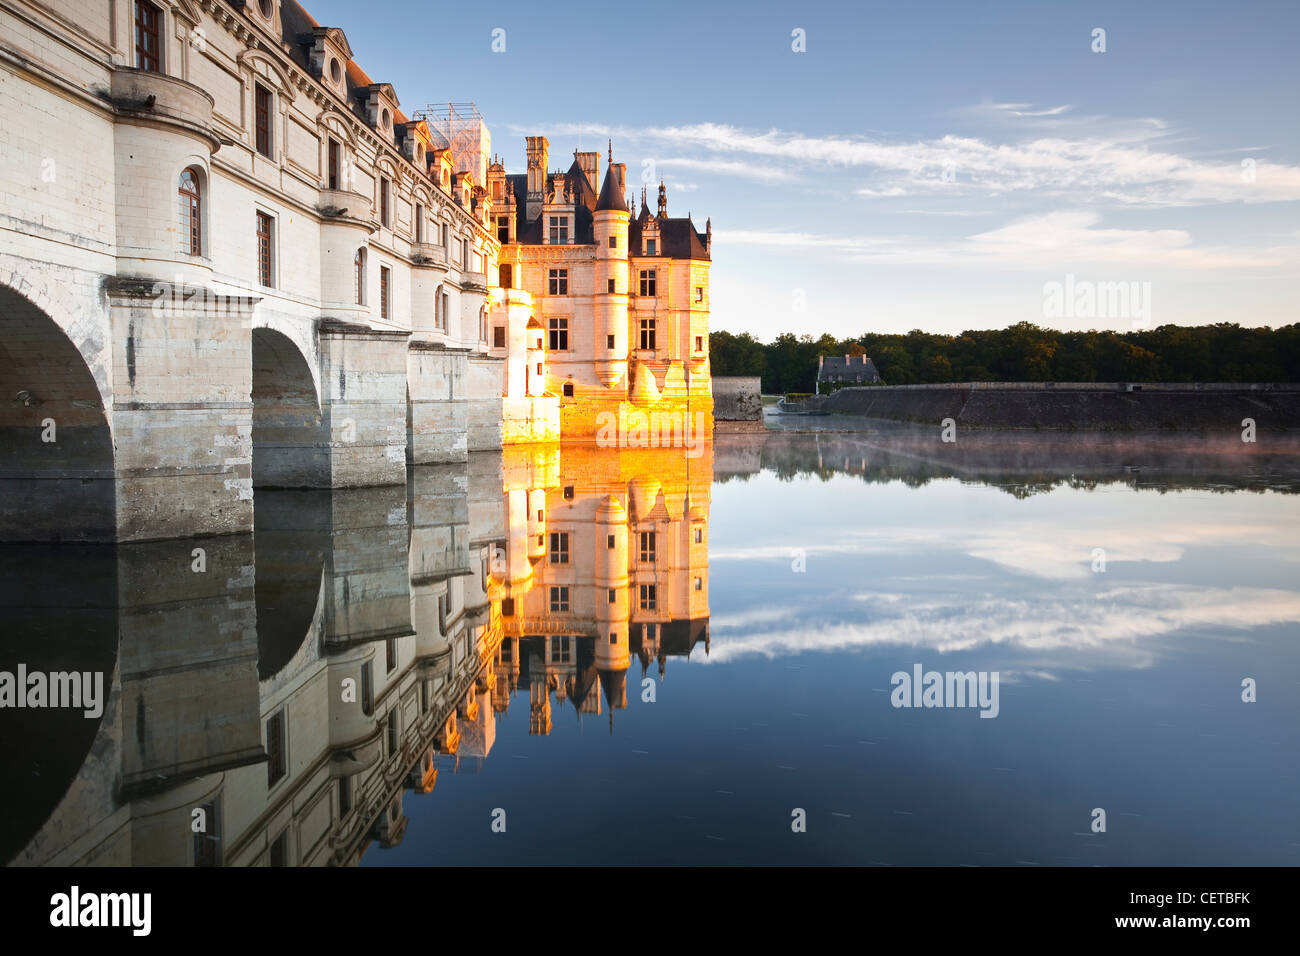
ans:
(836, 371)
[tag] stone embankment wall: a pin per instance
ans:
(1087, 406)
(737, 404)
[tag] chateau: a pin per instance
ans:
(604, 308)
(229, 259)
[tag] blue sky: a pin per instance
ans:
(924, 165)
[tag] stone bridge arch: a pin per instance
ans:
(57, 462)
(290, 437)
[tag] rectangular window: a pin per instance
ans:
(345, 796)
(280, 849)
(647, 597)
(265, 253)
(424, 697)
(384, 190)
(699, 343)
(699, 584)
(648, 282)
(558, 334)
(207, 843)
(648, 334)
(613, 595)
(699, 293)
(275, 747)
(559, 547)
(443, 230)
(561, 650)
(262, 119)
(650, 247)
(464, 253)
(609, 541)
(559, 281)
(392, 734)
(613, 242)
(419, 222)
(148, 48)
(558, 230)
(647, 546)
(503, 230)
(611, 286)
(385, 286)
(609, 342)
(559, 599)
(699, 535)
(367, 689)
(334, 165)
(390, 654)
(498, 336)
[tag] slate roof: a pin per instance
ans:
(847, 368)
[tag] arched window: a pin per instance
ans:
(191, 212)
(359, 275)
(482, 324)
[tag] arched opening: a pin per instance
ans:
(290, 447)
(56, 450)
(189, 192)
(359, 275)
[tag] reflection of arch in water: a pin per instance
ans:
(56, 449)
(58, 604)
(291, 537)
(290, 447)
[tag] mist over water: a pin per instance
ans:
(1121, 588)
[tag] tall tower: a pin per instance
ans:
(538, 157)
(609, 222)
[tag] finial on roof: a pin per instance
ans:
(611, 151)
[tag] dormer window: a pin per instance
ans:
(262, 120)
(385, 118)
(334, 167)
(336, 70)
(558, 230)
(650, 247)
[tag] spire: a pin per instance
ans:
(609, 197)
(663, 200)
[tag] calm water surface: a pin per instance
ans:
(791, 576)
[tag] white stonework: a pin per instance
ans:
(105, 107)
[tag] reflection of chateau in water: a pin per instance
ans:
(607, 560)
(289, 694)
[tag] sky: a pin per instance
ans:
(941, 166)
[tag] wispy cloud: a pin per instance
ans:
(1051, 240)
(1124, 167)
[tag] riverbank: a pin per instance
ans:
(1187, 407)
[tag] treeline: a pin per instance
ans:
(1024, 352)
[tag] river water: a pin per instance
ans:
(571, 656)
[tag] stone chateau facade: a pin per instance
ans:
(229, 259)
